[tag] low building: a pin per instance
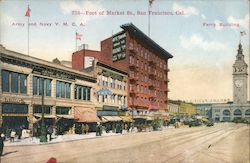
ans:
(173, 107)
(27, 83)
(204, 110)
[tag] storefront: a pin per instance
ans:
(14, 116)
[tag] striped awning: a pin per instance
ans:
(112, 118)
(82, 114)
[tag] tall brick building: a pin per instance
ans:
(144, 60)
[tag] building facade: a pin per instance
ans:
(145, 62)
(240, 107)
(110, 91)
(27, 83)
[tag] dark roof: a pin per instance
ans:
(132, 29)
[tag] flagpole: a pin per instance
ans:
(149, 18)
(28, 35)
(76, 40)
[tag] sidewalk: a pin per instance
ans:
(65, 138)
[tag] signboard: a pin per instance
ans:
(119, 46)
(106, 113)
(12, 100)
(107, 107)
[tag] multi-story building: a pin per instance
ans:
(110, 91)
(145, 62)
(27, 83)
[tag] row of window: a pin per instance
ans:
(111, 99)
(82, 92)
(146, 101)
(145, 90)
(23, 109)
(17, 83)
(144, 78)
(144, 53)
(14, 82)
(112, 83)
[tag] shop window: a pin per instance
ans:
(38, 109)
(62, 110)
(14, 109)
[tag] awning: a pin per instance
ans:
(65, 116)
(126, 118)
(45, 116)
(112, 118)
(82, 114)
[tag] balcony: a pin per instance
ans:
(166, 69)
(133, 78)
(131, 49)
(132, 65)
(166, 80)
(152, 96)
(151, 85)
(151, 61)
(132, 90)
(152, 74)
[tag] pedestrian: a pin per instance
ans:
(86, 128)
(98, 129)
(83, 129)
(2, 138)
(19, 132)
(12, 135)
(50, 131)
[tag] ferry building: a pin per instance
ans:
(28, 82)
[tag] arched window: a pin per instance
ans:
(226, 112)
(247, 112)
(237, 112)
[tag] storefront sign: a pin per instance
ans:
(12, 100)
(106, 113)
(15, 115)
(107, 107)
(119, 46)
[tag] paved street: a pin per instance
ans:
(221, 143)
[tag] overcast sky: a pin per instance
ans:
(203, 50)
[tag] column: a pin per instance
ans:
(53, 110)
(231, 115)
(72, 91)
(53, 88)
(30, 118)
(30, 84)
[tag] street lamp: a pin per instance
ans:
(43, 136)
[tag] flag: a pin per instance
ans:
(78, 36)
(150, 2)
(28, 11)
(242, 33)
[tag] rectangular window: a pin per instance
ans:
(62, 89)
(14, 109)
(88, 93)
(58, 88)
(5, 81)
(34, 85)
(23, 83)
(48, 87)
(67, 90)
(41, 86)
(14, 82)
(84, 93)
(38, 109)
(79, 92)
(62, 110)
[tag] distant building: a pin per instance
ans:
(173, 108)
(239, 107)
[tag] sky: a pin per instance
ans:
(202, 35)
